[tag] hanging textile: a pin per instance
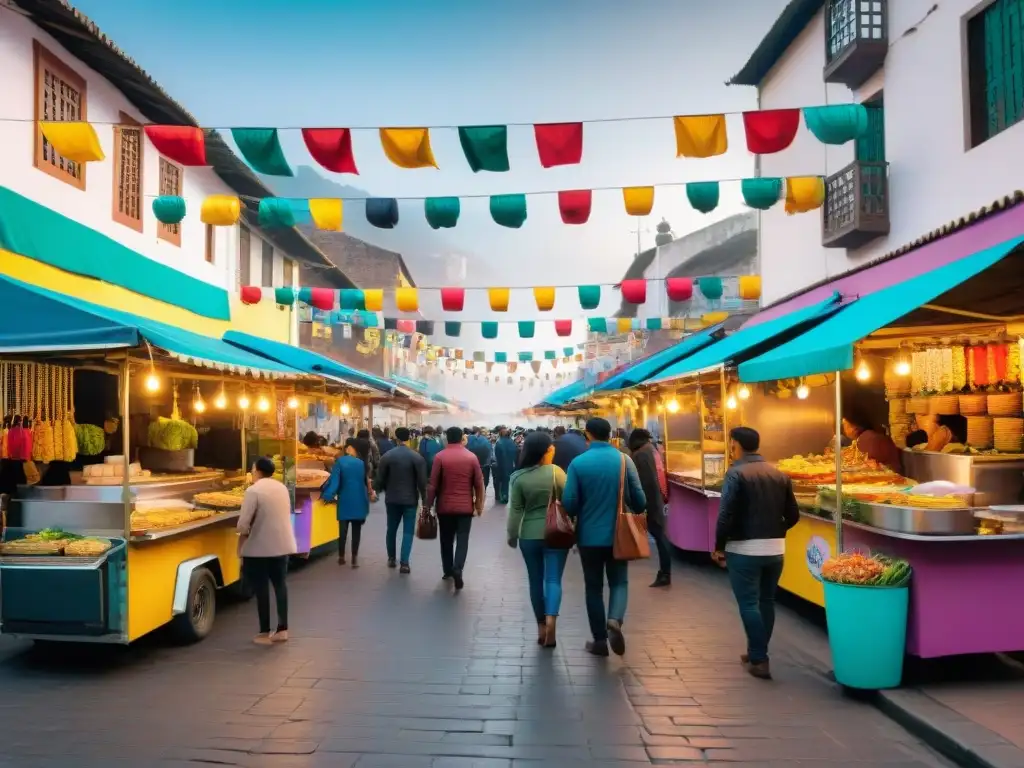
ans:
(406, 326)
(574, 206)
(563, 327)
(220, 211)
(261, 148)
(837, 123)
(453, 299)
(76, 141)
(761, 193)
(351, 299)
(527, 329)
(545, 298)
(559, 143)
(634, 291)
(442, 212)
(425, 327)
(770, 130)
(501, 357)
(184, 144)
(251, 294)
(452, 328)
(590, 296)
(373, 299)
(326, 213)
(525, 357)
(498, 298)
(382, 212)
(703, 195)
(750, 287)
(639, 200)
(489, 330)
(276, 212)
(509, 210)
(653, 323)
(567, 351)
(710, 287)
(624, 324)
(284, 296)
(407, 299)
(485, 147)
(597, 325)
(700, 135)
(331, 148)
(408, 147)
(804, 193)
(169, 209)
(318, 298)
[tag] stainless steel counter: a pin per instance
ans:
(166, 533)
(997, 479)
(920, 536)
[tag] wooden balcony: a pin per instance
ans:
(856, 40)
(856, 209)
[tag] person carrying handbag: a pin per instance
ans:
(534, 501)
(601, 484)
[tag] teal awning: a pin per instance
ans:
(654, 364)
(566, 394)
(422, 389)
(752, 340)
(35, 319)
(829, 346)
(304, 360)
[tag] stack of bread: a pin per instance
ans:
(1008, 434)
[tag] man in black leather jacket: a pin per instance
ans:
(757, 508)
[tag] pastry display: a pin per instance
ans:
(229, 499)
(87, 547)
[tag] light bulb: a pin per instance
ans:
(152, 383)
(661, 407)
(673, 406)
(345, 409)
(731, 403)
(863, 373)
(262, 405)
(244, 402)
(293, 402)
(803, 391)
(221, 402)
(743, 392)
(902, 368)
(199, 406)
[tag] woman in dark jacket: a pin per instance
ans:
(652, 478)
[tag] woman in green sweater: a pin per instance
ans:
(531, 488)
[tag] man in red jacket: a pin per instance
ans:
(457, 485)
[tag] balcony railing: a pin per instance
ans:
(856, 40)
(856, 209)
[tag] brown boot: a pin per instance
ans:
(761, 670)
(542, 633)
(550, 638)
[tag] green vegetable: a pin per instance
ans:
(56, 534)
(172, 434)
(91, 439)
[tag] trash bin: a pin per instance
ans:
(867, 632)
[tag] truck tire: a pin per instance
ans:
(200, 609)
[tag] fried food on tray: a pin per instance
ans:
(219, 499)
(31, 547)
(90, 547)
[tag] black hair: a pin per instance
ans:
(265, 466)
(362, 448)
(428, 430)
(599, 429)
(559, 430)
(917, 437)
(401, 434)
(311, 439)
(638, 438)
(362, 434)
(454, 435)
(749, 440)
(534, 448)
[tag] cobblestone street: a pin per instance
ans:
(386, 670)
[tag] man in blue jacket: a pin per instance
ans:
(504, 463)
(591, 496)
(430, 446)
(480, 446)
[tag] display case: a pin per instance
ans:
(695, 429)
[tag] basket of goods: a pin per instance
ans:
(916, 405)
(944, 405)
(973, 405)
(87, 547)
(172, 444)
(979, 432)
(1008, 435)
(1004, 404)
(866, 602)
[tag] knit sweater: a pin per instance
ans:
(529, 498)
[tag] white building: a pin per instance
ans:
(56, 65)
(945, 85)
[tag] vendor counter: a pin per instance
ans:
(692, 515)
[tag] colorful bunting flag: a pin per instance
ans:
(425, 327)
(634, 291)
(559, 143)
(489, 330)
(452, 328)
(679, 288)
(527, 328)
(545, 298)
(373, 299)
(382, 212)
(703, 195)
(284, 296)
(525, 357)
(563, 327)
(501, 357)
(407, 326)
(654, 324)
(351, 299)
(590, 296)
(574, 205)
(837, 123)
(407, 299)
(326, 213)
(408, 147)
(221, 210)
(485, 147)
(184, 144)
(549, 354)
(276, 212)
(498, 298)
(639, 200)
(74, 140)
(624, 324)
(804, 193)
(700, 135)
(770, 130)
(442, 212)
(509, 210)
(261, 148)
(251, 294)
(568, 351)
(453, 299)
(169, 209)
(597, 325)
(331, 148)
(710, 287)
(761, 192)
(750, 287)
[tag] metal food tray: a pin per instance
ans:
(920, 520)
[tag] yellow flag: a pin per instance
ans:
(220, 210)
(639, 200)
(374, 299)
(713, 318)
(624, 324)
(701, 135)
(76, 141)
(804, 193)
(750, 287)
(326, 213)
(408, 147)
(545, 298)
(498, 298)
(406, 299)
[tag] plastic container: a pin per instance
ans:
(867, 632)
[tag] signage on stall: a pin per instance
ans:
(818, 551)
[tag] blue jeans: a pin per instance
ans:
(755, 580)
(544, 569)
(406, 515)
(501, 486)
(598, 562)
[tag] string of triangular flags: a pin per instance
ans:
(485, 147)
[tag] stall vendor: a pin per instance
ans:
(874, 443)
(941, 430)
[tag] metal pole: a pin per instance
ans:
(241, 431)
(839, 465)
(126, 488)
(725, 416)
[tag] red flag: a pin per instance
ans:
(563, 327)
(251, 294)
(406, 326)
(453, 299)
(332, 148)
(559, 143)
(574, 205)
(770, 130)
(184, 144)
(634, 291)
(322, 298)
(679, 288)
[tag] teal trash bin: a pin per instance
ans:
(867, 632)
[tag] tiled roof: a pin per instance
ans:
(791, 22)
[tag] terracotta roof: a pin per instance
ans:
(791, 22)
(86, 42)
(996, 206)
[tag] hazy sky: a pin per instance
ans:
(296, 63)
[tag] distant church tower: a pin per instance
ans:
(664, 236)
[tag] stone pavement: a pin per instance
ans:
(389, 671)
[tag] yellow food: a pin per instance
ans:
(87, 547)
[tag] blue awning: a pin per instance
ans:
(751, 340)
(652, 365)
(566, 394)
(304, 360)
(35, 319)
(829, 346)
(423, 389)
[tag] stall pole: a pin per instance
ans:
(126, 489)
(839, 465)
(725, 417)
(245, 467)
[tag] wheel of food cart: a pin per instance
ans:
(197, 620)
(867, 633)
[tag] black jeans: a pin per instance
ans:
(657, 530)
(755, 579)
(453, 531)
(357, 533)
(597, 563)
(487, 475)
(259, 573)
